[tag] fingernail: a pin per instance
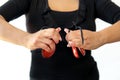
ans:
(66, 30)
(58, 29)
(60, 39)
(68, 45)
(71, 43)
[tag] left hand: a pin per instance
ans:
(92, 40)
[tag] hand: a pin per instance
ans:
(92, 40)
(45, 39)
(71, 44)
(73, 37)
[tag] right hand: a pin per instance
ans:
(44, 39)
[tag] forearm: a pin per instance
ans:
(11, 34)
(111, 34)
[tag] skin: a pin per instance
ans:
(47, 38)
(93, 40)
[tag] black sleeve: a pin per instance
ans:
(14, 8)
(107, 11)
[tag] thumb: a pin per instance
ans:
(66, 30)
(58, 29)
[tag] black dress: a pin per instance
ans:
(62, 65)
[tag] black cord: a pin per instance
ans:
(81, 32)
(80, 28)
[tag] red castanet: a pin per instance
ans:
(75, 52)
(46, 54)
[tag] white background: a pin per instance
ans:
(15, 60)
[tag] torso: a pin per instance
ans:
(62, 63)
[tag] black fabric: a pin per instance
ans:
(107, 11)
(62, 65)
(14, 8)
(55, 18)
(82, 71)
(100, 8)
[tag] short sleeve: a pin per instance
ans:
(14, 8)
(107, 11)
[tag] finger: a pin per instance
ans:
(70, 43)
(54, 39)
(67, 34)
(58, 30)
(66, 30)
(52, 46)
(43, 46)
(49, 42)
(56, 36)
(47, 32)
(77, 42)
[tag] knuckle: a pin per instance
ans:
(45, 47)
(50, 42)
(52, 30)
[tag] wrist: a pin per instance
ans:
(25, 40)
(102, 37)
